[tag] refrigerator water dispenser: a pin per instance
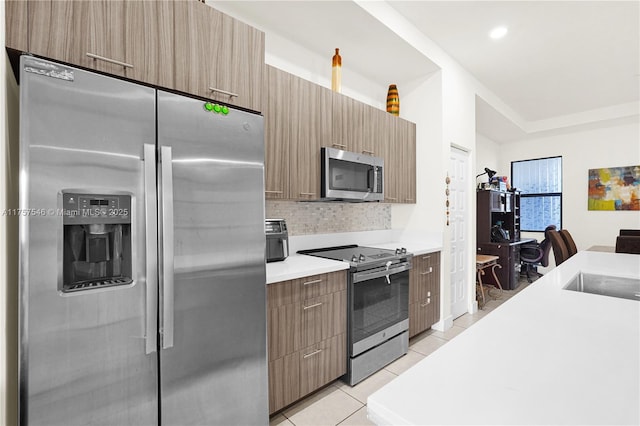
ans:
(96, 241)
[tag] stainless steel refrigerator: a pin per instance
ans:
(142, 273)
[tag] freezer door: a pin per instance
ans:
(83, 355)
(213, 365)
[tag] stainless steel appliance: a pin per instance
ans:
(378, 305)
(277, 239)
(142, 261)
(351, 176)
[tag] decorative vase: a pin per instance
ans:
(336, 72)
(393, 100)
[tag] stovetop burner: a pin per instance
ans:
(357, 256)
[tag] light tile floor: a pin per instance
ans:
(341, 404)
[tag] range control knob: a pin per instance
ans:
(361, 258)
(354, 258)
(398, 251)
(403, 250)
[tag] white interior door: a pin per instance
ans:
(459, 175)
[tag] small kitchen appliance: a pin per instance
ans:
(350, 176)
(377, 303)
(277, 239)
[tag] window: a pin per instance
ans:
(540, 183)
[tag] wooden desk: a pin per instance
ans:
(483, 262)
(509, 253)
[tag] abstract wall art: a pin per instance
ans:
(614, 188)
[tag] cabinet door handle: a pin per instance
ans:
(112, 61)
(427, 272)
(315, 305)
(422, 305)
(305, 356)
(224, 92)
(339, 145)
(391, 199)
(312, 282)
(365, 151)
(309, 194)
(272, 192)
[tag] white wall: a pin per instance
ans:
(487, 155)
(612, 146)
(421, 103)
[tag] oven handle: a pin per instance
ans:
(382, 272)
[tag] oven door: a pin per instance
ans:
(379, 306)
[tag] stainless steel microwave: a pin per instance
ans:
(350, 176)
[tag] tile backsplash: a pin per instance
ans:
(304, 218)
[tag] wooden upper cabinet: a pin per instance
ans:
(106, 35)
(132, 39)
(375, 135)
(277, 107)
(392, 162)
(407, 140)
(217, 57)
(149, 41)
(16, 25)
(310, 130)
(399, 160)
(348, 123)
(60, 30)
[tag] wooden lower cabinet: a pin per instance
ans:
(323, 362)
(424, 292)
(307, 325)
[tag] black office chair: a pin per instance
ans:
(536, 254)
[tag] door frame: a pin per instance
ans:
(469, 218)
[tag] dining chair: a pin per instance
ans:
(568, 242)
(628, 244)
(560, 251)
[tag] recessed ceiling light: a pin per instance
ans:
(498, 32)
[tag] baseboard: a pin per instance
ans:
(443, 324)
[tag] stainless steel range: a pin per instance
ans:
(378, 304)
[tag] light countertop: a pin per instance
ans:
(546, 356)
(298, 265)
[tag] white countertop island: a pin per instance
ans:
(546, 356)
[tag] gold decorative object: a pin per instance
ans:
(336, 72)
(393, 100)
(447, 181)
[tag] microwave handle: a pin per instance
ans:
(372, 179)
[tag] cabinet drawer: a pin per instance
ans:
(284, 381)
(423, 314)
(323, 362)
(300, 373)
(297, 325)
(425, 277)
(428, 259)
(323, 317)
(297, 290)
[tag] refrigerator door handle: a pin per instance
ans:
(151, 243)
(166, 279)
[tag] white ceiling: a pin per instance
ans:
(559, 59)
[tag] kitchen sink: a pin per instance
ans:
(623, 288)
